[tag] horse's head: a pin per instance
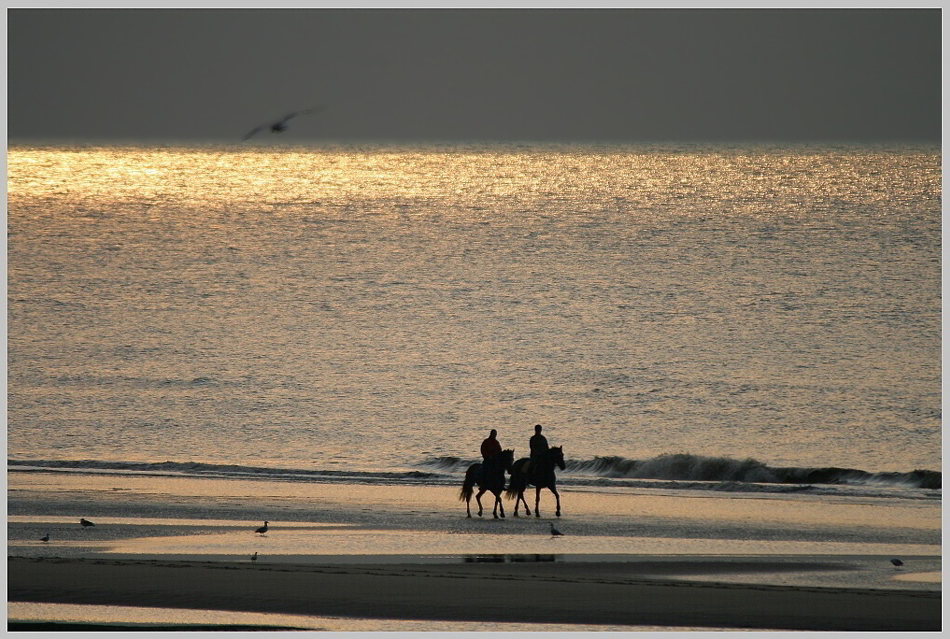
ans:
(507, 458)
(557, 456)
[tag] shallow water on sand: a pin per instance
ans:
(794, 541)
(17, 611)
(208, 520)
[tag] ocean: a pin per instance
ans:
(729, 317)
(737, 347)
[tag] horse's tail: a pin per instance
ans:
(468, 486)
(466, 493)
(516, 485)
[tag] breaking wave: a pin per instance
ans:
(672, 471)
(218, 471)
(696, 468)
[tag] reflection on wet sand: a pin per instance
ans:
(500, 559)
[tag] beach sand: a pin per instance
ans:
(593, 592)
(395, 555)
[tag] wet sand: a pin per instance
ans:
(628, 559)
(577, 592)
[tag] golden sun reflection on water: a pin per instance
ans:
(313, 176)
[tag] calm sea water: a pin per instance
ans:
(741, 314)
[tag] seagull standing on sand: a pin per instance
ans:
(262, 529)
(46, 538)
(85, 523)
(280, 125)
(554, 531)
(897, 563)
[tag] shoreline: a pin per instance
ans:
(590, 592)
(394, 556)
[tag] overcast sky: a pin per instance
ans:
(623, 75)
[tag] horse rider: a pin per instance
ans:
(491, 449)
(538, 444)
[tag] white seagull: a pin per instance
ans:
(554, 531)
(280, 125)
(262, 529)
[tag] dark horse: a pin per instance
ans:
(492, 479)
(541, 476)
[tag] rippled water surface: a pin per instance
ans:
(381, 308)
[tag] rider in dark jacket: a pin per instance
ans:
(539, 446)
(491, 449)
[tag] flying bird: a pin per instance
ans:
(262, 529)
(554, 531)
(45, 538)
(280, 125)
(85, 523)
(897, 562)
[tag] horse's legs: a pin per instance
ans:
(499, 505)
(558, 498)
(467, 494)
(478, 498)
(527, 509)
(537, 501)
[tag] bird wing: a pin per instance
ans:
(281, 121)
(311, 110)
(252, 132)
(294, 114)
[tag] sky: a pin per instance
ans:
(402, 75)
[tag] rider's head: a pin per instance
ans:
(493, 433)
(537, 429)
